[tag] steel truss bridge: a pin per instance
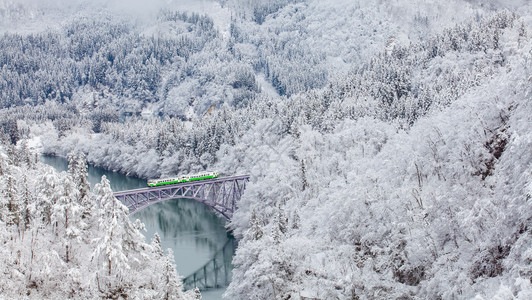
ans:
(221, 194)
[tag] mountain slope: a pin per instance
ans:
(440, 210)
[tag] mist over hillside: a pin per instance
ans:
(388, 142)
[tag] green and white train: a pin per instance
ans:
(183, 178)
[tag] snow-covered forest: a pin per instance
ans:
(389, 144)
(62, 240)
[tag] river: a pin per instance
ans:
(192, 230)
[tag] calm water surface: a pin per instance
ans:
(192, 230)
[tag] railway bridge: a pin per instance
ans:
(221, 194)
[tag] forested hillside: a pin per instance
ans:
(389, 146)
(397, 87)
(367, 210)
(100, 61)
(182, 61)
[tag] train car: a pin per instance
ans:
(183, 178)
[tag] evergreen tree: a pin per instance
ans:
(12, 130)
(255, 231)
(523, 36)
(295, 220)
(67, 216)
(12, 155)
(49, 193)
(156, 245)
(276, 233)
(171, 285)
(24, 154)
(304, 182)
(82, 184)
(71, 158)
(12, 209)
(120, 250)
(26, 216)
(281, 218)
(112, 262)
(58, 240)
(3, 165)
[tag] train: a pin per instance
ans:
(183, 178)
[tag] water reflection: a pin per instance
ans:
(186, 226)
(216, 273)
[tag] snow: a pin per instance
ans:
(396, 163)
(147, 112)
(35, 144)
(57, 238)
(220, 15)
(266, 87)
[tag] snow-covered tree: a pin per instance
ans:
(156, 245)
(26, 201)
(11, 206)
(255, 231)
(49, 193)
(77, 168)
(110, 257)
(171, 286)
(49, 254)
(67, 217)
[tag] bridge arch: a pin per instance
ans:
(221, 194)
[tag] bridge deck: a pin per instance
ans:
(184, 184)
